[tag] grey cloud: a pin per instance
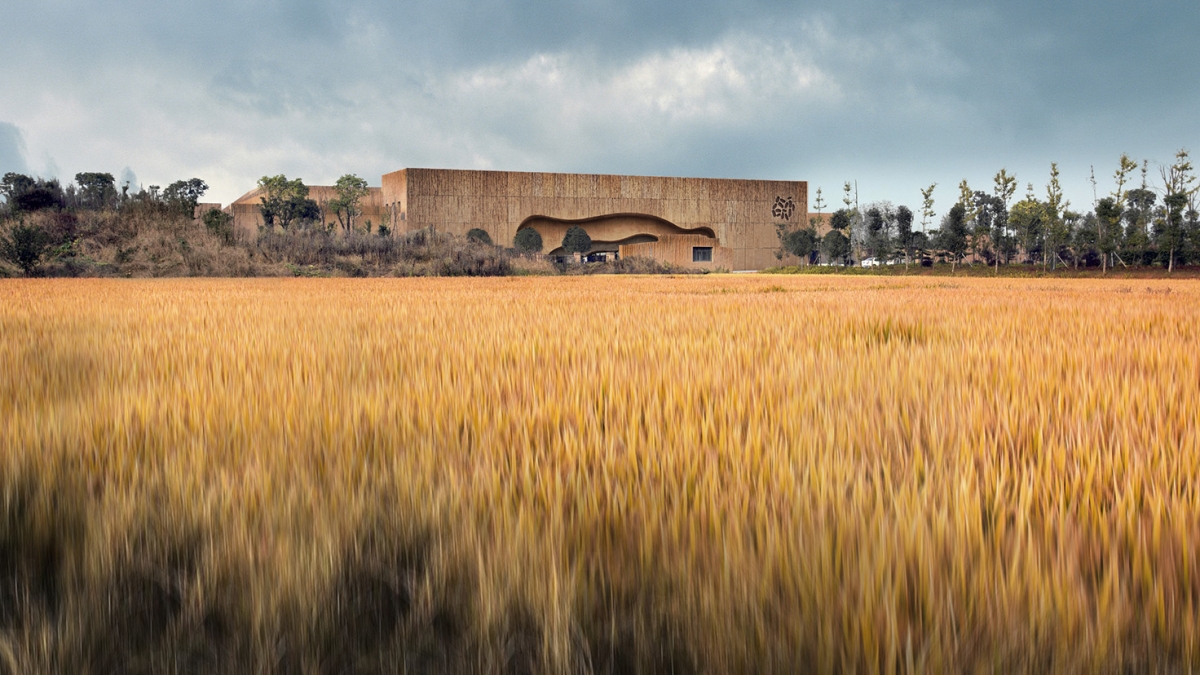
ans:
(904, 93)
(12, 149)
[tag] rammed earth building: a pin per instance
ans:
(710, 223)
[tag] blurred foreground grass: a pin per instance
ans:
(549, 475)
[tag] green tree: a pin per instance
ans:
(878, 235)
(1139, 212)
(1028, 218)
(927, 212)
(1179, 186)
(1125, 167)
(966, 197)
(1056, 234)
(347, 205)
(853, 232)
(819, 206)
(976, 236)
(991, 226)
(96, 190)
(1075, 241)
(904, 232)
(183, 195)
(24, 246)
(23, 193)
(952, 237)
(840, 220)
(800, 243)
(920, 245)
(1005, 186)
(577, 240)
(1169, 228)
(528, 240)
(1109, 215)
(1108, 229)
(1084, 234)
(836, 246)
(13, 185)
(285, 201)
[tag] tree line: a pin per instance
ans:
(1151, 221)
(1140, 222)
(43, 214)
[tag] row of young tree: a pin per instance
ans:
(1138, 223)
(284, 203)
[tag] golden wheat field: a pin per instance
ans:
(717, 474)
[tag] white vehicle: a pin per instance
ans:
(870, 262)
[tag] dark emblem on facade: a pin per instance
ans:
(784, 208)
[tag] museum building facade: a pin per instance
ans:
(706, 223)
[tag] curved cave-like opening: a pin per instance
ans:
(600, 246)
(610, 231)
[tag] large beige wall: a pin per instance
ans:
(739, 212)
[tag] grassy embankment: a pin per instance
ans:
(706, 474)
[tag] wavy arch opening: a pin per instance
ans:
(609, 231)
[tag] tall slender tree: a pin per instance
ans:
(904, 232)
(819, 207)
(952, 237)
(927, 212)
(347, 206)
(1005, 186)
(1108, 227)
(1179, 183)
(1056, 235)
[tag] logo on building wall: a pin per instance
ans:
(784, 208)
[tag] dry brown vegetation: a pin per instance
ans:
(151, 240)
(551, 475)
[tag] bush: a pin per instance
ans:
(577, 240)
(528, 240)
(479, 236)
(25, 246)
(420, 253)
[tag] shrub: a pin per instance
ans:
(479, 236)
(577, 240)
(24, 246)
(528, 240)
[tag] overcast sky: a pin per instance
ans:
(895, 95)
